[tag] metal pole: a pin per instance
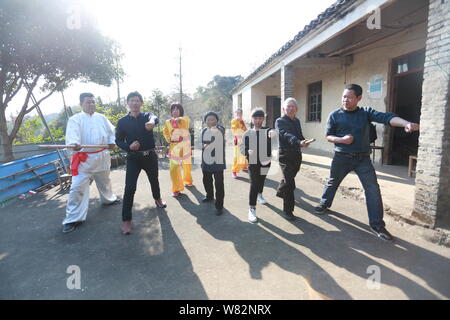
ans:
(65, 107)
(47, 127)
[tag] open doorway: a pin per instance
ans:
(406, 103)
(273, 110)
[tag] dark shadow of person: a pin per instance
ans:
(342, 248)
(259, 248)
(113, 266)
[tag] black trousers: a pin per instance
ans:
(218, 184)
(256, 181)
(135, 163)
(290, 162)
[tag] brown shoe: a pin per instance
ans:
(127, 226)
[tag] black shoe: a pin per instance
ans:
(288, 216)
(219, 211)
(69, 227)
(320, 209)
(382, 233)
(117, 201)
(206, 199)
(160, 203)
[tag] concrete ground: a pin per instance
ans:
(187, 252)
(397, 188)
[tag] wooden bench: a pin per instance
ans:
(410, 165)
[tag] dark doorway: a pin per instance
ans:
(273, 110)
(407, 102)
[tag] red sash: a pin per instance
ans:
(79, 157)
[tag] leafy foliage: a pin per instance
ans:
(40, 49)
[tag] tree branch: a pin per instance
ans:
(25, 111)
(12, 92)
(2, 83)
(30, 89)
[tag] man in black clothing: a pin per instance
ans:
(134, 134)
(291, 141)
(348, 128)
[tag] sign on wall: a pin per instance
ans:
(376, 87)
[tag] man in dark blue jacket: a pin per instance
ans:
(348, 129)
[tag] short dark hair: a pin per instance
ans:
(178, 106)
(134, 94)
(210, 113)
(85, 95)
(356, 88)
(258, 113)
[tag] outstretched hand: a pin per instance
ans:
(149, 125)
(411, 127)
(76, 147)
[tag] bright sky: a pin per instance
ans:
(224, 38)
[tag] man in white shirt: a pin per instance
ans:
(88, 128)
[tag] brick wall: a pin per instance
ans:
(432, 196)
(287, 82)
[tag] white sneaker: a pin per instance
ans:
(261, 199)
(252, 215)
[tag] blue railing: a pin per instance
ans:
(21, 176)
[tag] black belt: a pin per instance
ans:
(290, 150)
(143, 153)
(355, 154)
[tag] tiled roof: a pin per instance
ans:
(335, 10)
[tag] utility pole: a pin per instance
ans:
(118, 91)
(181, 82)
(118, 75)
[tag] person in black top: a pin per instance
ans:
(291, 141)
(348, 129)
(134, 134)
(213, 159)
(256, 145)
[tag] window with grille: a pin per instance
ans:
(315, 101)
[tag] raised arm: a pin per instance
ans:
(409, 126)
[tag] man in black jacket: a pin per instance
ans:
(291, 141)
(134, 134)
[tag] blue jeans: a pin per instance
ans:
(340, 167)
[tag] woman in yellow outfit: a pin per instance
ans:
(238, 129)
(176, 133)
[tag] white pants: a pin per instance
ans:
(78, 203)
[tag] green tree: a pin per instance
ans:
(29, 132)
(42, 51)
(216, 97)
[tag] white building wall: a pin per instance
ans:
(371, 62)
